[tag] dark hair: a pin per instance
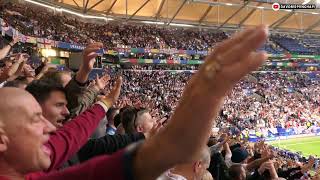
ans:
(235, 171)
(111, 113)
(212, 141)
(41, 89)
(218, 167)
(129, 117)
(15, 83)
(54, 75)
(117, 120)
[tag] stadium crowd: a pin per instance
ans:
(41, 23)
(128, 123)
(269, 100)
(261, 100)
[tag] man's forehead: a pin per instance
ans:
(23, 105)
(146, 115)
(30, 105)
(57, 96)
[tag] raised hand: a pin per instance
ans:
(114, 94)
(23, 57)
(15, 39)
(100, 83)
(267, 153)
(89, 55)
(309, 165)
(232, 60)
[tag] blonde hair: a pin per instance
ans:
(207, 176)
(205, 155)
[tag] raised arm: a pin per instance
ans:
(79, 95)
(270, 167)
(200, 104)
(89, 55)
(6, 49)
(266, 155)
(68, 140)
(107, 145)
(18, 72)
(13, 72)
(102, 167)
(14, 68)
(88, 95)
(110, 144)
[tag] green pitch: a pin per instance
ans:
(306, 145)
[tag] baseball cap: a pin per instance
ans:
(239, 155)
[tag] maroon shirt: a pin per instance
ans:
(101, 167)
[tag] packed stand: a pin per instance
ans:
(41, 23)
(312, 43)
(267, 99)
(291, 44)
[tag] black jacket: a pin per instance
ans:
(105, 145)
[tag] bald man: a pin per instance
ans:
(194, 170)
(23, 133)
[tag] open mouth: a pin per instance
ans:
(46, 150)
(60, 122)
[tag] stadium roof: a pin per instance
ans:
(208, 13)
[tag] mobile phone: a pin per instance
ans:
(101, 51)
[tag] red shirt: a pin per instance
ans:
(101, 167)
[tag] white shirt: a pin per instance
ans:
(2, 84)
(170, 176)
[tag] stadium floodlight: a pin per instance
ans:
(229, 4)
(153, 22)
(84, 16)
(315, 13)
(69, 11)
(40, 4)
(181, 25)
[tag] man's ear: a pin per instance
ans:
(139, 128)
(197, 166)
(3, 141)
